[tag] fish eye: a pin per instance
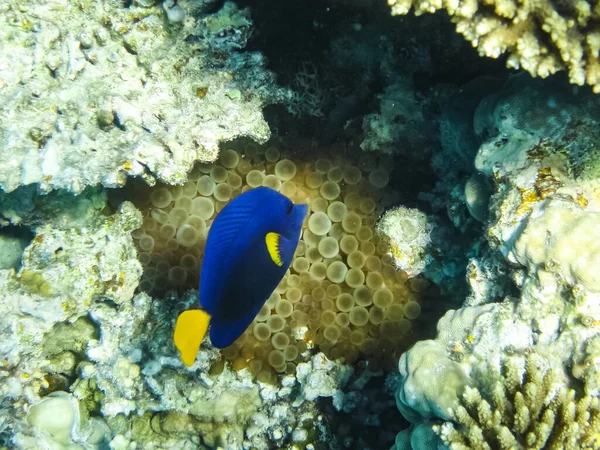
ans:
(289, 209)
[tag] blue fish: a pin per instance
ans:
(249, 248)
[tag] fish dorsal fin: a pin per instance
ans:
(225, 231)
(281, 250)
(190, 329)
(227, 238)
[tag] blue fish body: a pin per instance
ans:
(249, 248)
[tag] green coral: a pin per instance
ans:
(529, 411)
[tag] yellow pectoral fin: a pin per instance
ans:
(190, 329)
(273, 247)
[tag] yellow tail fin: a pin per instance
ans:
(190, 329)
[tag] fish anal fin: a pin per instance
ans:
(281, 250)
(190, 329)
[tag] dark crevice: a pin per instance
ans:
(14, 240)
(129, 48)
(118, 124)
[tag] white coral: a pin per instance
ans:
(407, 231)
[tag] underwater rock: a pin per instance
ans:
(401, 125)
(488, 278)
(58, 424)
(321, 378)
(11, 250)
(55, 415)
(64, 272)
(95, 92)
(545, 216)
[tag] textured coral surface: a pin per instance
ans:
(541, 37)
(525, 410)
(94, 91)
(544, 223)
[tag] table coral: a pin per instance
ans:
(538, 37)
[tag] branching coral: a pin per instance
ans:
(524, 412)
(540, 37)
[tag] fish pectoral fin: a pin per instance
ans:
(281, 250)
(190, 329)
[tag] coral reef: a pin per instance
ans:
(532, 410)
(93, 92)
(341, 294)
(98, 348)
(155, 99)
(537, 36)
(63, 272)
(76, 326)
(407, 232)
(543, 208)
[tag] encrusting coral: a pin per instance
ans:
(341, 294)
(64, 271)
(93, 92)
(539, 37)
(407, 232)
(523, 411)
